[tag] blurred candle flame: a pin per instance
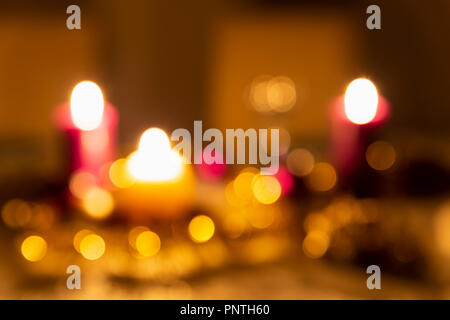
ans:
(361, 101)
(154, 160)
(87, 105)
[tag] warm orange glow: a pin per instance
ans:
(98, 203)
(148, 243)
(361, 101)
(81, 182)
(300, 162)
(16, 213)
(201, 228)
(134, 233)
(380, 155)
(441, 226)
(235, 225)
(266, 189)
(230, 195)
(87, 105)
(262, 217)
(273, 94)
(243, 184)
(317, 221)
(34, 248)
(322, 178)
(92, 247)
(79, 236)
(315, 244)
(154, 160)
(119, 175)
(281, 94)
(43, 216)
(95, 141)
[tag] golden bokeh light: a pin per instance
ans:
(148, 243)
(315, 244)
(119, 175)
(134, 233)
(266, 189)
(81, 182)
(79, 236)
(92, 247)
(201, 228)
(272, 94)
(230, 195)
(317, 221)
(300, 162)
(281, 94)
(34, 248)
(262, 217)
(380, 155)
(258, 94)
(234, 225)
(16, 213)
(322, 178)
(243, 184)
(98, 203)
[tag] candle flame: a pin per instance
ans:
(361, 101)
(87, 105)
(154, 160)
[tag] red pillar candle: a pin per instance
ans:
(90, 125)
(354, 118)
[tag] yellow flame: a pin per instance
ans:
(87, 105)
(361, 101)
(154, 160)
